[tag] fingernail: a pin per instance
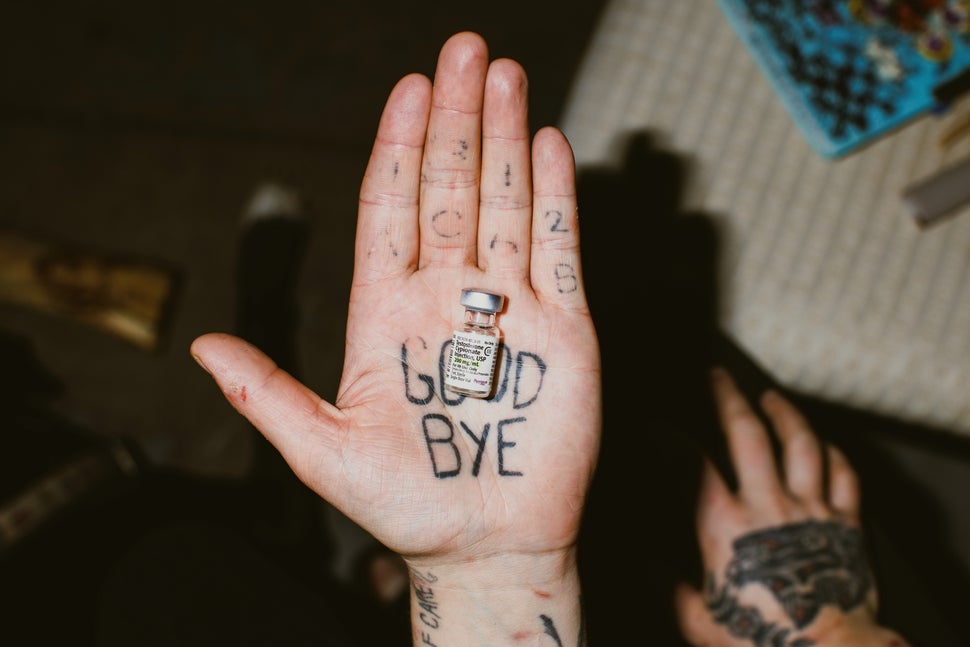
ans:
(198, 360)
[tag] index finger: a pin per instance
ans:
(387, 217)
(748, 442)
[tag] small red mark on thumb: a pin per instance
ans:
(242, 394)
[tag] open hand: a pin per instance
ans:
(784, 554)
(456, 194)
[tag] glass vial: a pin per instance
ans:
(475, 346)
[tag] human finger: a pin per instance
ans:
(802, 458)
(693, 617)
(387, 221)
(716, 505)
(287, 413)
(556, 271)
(451, 166)
(844, 493)
(748, 442)
(506, 182)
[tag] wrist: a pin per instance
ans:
(858, 632)
(496, 600)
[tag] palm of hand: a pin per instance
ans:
(455, 195)
(510, 471)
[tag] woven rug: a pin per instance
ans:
(825, 279)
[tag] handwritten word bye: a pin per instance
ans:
(439, 434)
(520, 377)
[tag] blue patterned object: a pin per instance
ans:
(849, 71)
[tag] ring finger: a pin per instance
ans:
(506, 191)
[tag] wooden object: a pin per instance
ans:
(120, 294)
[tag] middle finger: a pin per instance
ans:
(748, 442)
(451, 167)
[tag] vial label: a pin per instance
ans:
(472, 362)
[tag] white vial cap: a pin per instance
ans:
(482, 300)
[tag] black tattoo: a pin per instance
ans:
(508, 175)
(462, 152)
(397, 168)
(557, 224)
(512, 244)
(566, 279)
(550, 628)
(805, 565)
(424, 598)
(746, 622)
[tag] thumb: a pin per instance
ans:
(291, 416)
(693, 618)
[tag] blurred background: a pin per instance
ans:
(133, 140)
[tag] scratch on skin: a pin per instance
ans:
(542, 594)
(550, 628)
(234, 390)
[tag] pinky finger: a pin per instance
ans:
(555, 271)
(844, 494)
(693, 617)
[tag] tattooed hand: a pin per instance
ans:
(784, 554)
(478, 495)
